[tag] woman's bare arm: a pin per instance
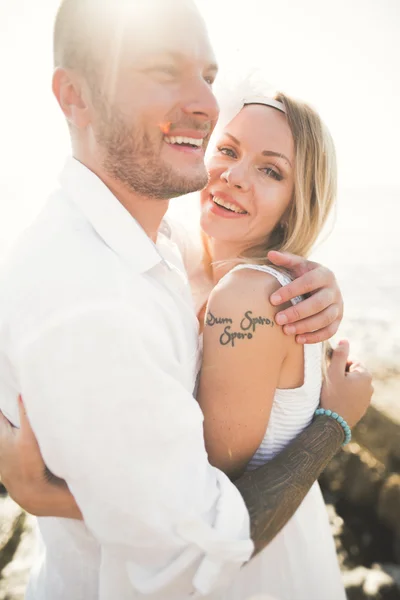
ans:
(244, 351)
(238, 380)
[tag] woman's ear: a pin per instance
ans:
(68, 89)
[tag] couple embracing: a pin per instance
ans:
(177, 406)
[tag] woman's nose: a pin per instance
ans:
(236, 178)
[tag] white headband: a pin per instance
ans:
(266, 101)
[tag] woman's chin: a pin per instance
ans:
(209, 226)
(223, 232)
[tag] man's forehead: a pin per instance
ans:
(177, 32)
(175, 53)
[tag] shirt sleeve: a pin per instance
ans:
(103, 401)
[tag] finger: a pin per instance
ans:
(322, 335)
(353, 365)
(297, 264)
(351, 362)
(321, 320)
(306, 284)
(337, 366)
(7, 435)
(23, 419)
(310, 307)
(5, 426)
(358, 368)
(27, 434)
(361, 376)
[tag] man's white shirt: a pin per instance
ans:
(99, 335)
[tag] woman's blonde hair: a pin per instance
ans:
(315, 183)
(315, 189)
(315, 186)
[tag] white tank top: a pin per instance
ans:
(292, 409)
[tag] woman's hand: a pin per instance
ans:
(347, 389)
(25, 475)
(318, 317)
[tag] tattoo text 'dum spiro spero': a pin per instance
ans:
(245, 331)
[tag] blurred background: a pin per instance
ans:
(344, 58)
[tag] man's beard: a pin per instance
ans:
(131, 157)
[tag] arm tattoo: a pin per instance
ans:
(245, 330)
(273, 492)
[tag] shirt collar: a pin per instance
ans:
(110, 219)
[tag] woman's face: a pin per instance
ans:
(251, 177)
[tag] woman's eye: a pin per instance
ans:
(227, 151)
(272, 173)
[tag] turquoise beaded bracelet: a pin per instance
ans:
(340, 420)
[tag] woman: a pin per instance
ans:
(272, 185)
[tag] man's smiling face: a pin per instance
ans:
(153, 109)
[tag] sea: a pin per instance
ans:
(361, 245)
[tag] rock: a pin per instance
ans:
(17, 548)
(337, 526)
(394, 572)
(347, 546)
(389, 503)
(12, 521)
(379, 430)
(370, 584)
(396, 549)
(334, 476)
(16, 574)
(364, 477)
(354, 474)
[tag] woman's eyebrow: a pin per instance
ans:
(264, 153)
(278, 154)
(232, 138)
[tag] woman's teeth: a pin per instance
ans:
(229, 205)
(183, 140)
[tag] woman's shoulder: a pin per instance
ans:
(240, 305)
(248, 286)
(241, 317)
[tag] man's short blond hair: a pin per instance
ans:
(76, 34)
(85, 30)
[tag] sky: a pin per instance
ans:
(342, 56)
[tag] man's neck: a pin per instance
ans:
(148, 212)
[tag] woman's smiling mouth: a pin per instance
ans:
(221, 206)
(228, 204)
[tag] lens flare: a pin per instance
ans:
(165, 127)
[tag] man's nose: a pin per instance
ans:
(201, 101)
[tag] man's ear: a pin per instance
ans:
(69, 91)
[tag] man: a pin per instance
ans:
(98, 334)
